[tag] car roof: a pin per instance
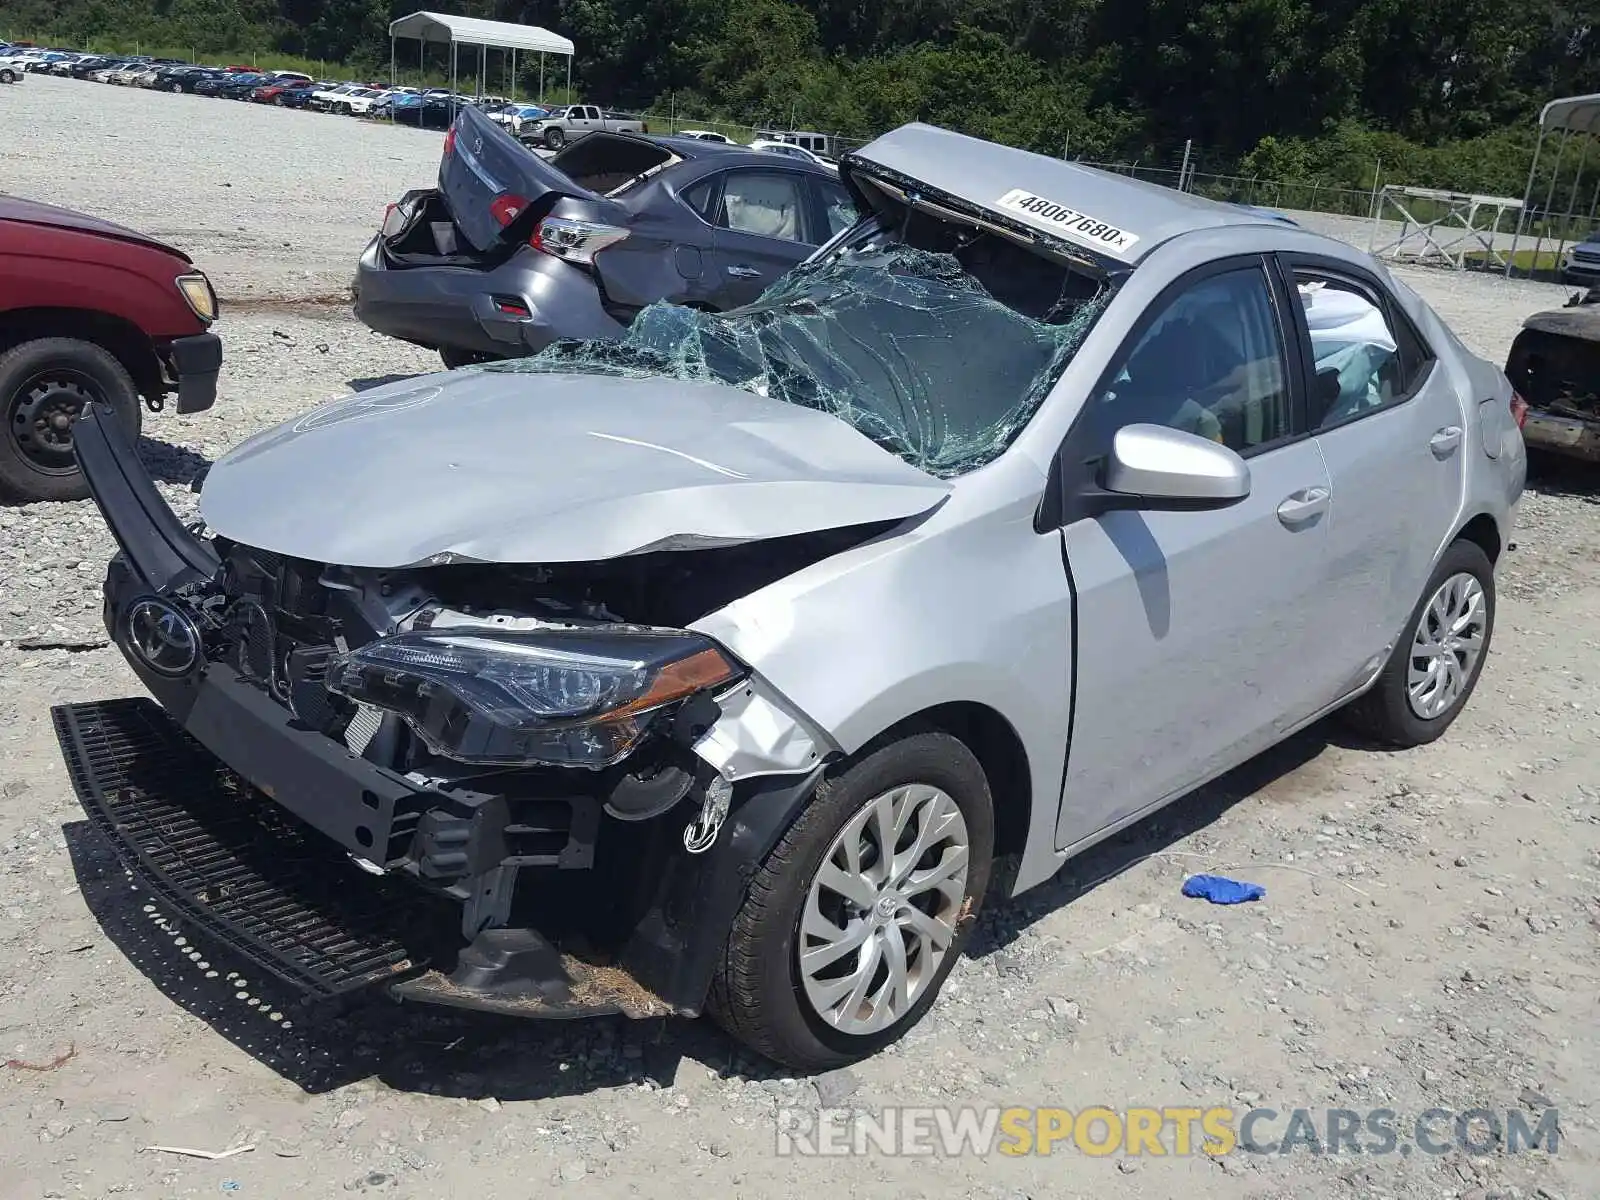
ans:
(981, 173)
(686, 147)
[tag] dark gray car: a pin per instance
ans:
(512, 252)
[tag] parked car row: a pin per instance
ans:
(426, 107)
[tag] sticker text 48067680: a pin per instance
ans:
(1068, 222)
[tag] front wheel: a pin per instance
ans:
(859, 913)
(44, 385)
(176, 88)
(1435, 665)
(554, 139)
(7, 75)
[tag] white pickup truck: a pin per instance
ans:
(568, 124)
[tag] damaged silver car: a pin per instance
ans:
(712, 669)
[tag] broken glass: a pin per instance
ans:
(906, 345)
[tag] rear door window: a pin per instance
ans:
(765, 203)
(1365, 355)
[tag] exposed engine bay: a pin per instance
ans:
(291, 626)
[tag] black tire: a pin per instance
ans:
(454, 356)
(55, 377)
(342, 109)
(756, 992)
(176, 89)
(1384, 712)
(554, 139)
(7, 75)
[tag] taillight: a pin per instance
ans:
(574, 241)
(450, 141)
(1519, 410)
(507, 207)
(394, 220)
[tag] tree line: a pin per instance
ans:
(1442, 92)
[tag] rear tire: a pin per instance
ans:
(44, 385)
(1434, 667)
(7, 75)
(763, 996)
(454, 356)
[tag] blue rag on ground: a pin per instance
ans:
(1219, 889)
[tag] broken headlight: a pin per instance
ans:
(573, 697)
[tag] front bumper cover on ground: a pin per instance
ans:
(247, 823)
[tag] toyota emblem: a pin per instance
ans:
(162, 637)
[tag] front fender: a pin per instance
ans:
(958, 609)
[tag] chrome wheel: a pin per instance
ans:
(1448, 642)
(882, 911)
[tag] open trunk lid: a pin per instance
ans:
(488, 179)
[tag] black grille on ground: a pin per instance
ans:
(231, 861)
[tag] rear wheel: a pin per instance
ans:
(7, 75)
(860, 912)
(1435, 666)
(455, 356)
(44, 385)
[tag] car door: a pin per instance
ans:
(763, 229)
(1392, 430)
(1197, 637)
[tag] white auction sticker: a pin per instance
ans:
(1067, 222)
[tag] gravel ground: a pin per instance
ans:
(1428, 938)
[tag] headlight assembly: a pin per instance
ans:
(196, 291)
(572, 697)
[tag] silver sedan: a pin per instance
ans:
(1034, 500)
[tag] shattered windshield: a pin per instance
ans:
(906, 345)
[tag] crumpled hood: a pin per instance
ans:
(494, 466)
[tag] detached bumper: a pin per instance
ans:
(1568, 436)
(335, 874)
(197, 361)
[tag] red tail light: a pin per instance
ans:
(507, 207)
(1519, 410)
(450, 141)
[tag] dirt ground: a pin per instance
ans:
(1428, 938)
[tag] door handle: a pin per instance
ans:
(1444, 443)
(1302, 506)
(743, 272)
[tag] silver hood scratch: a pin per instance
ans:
(487, 466)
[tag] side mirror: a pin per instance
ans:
(1153, 467)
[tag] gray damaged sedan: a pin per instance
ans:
(712, 669)
(512, 252)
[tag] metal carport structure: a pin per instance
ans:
(1570, 116)
(445, 29)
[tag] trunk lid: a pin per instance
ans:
(483, 163)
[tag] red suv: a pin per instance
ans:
(90, 311)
